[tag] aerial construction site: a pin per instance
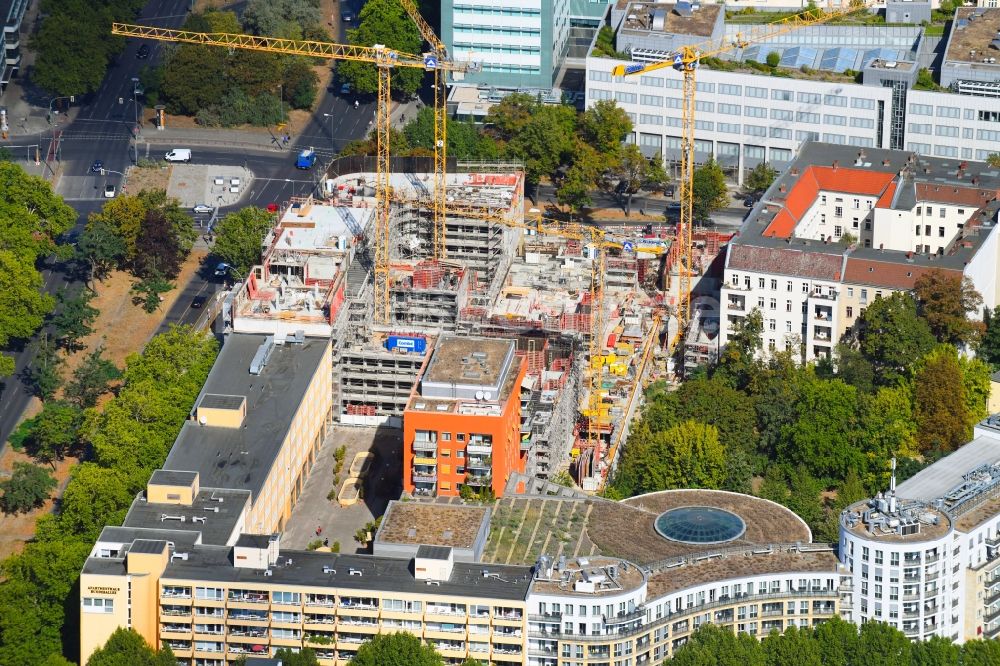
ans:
(584, 309)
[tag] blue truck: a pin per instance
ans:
(306, 159)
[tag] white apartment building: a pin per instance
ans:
(925, 557)
(794, 261)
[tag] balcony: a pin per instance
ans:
(247, 597)
(424, 477)
(479, 449)
(478, 480)
(479, 462)
(248, 632)
(451, 611)
(425, 450)
(321, 600)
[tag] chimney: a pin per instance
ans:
(975, 180)
(885, 162)
(836, 163)
(795, 171)
(782, 188)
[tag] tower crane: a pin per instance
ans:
(384, 59)
(440, 51)
(685, 60)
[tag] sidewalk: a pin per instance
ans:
(26, 111)
(211, 136)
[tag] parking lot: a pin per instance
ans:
(209, 186)
(383, 483)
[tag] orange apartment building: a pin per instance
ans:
(462, 423)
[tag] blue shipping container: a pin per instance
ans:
(406, 343)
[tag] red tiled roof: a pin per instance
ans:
(949, 194)
(830, 179)
(885, 200)
(894, 275)
(785, 261)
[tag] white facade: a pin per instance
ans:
(795, 310)
(743, 119)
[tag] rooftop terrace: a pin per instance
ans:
(664, 17)
(974, 36)
(417, 523)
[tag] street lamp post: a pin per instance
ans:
(281, 101)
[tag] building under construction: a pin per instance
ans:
(499, 278)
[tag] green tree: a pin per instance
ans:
(32, 217)
(23, 306)
(738, 364)
(795, 647)
(44, 373)
(773, 59)
(300, 83)
(465, 141)
(838, 641)
(604, 127)
(891, 336)
(148, 292)
(91, 379)
(711, 645)
(989, 347)
(239, 236)
(993, 159)
(74, 317)
(74, 46)
(383, 22)
(976, 382)
(714, 402)
(760, 177)
(708, 190)
(822, 433)
(687, 455)
(396, 649)
(281, 18)
(882, 645)
(511, 115)
(936, 651)
(981, 653)
(127, 648)
(96, 496)
(939, 402)
(946, 300)
(27, 488)
(304, 657)
(101, 248)
(575, 189)
(854, 367)
(54, 431)
(886, 426)
(636, 171)
(545, 142)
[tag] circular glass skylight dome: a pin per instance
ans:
(700, 525)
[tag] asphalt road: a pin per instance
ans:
(103, 129)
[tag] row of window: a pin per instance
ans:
(496, 11)
(480, 47)
(497, 30)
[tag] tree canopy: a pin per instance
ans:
(383, 22)
(396, 649)
(708, 190)
(27, 488)
(945, 301)
(127, 648)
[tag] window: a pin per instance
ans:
(801, 135)
(838, 211)
(782, 95)
(649, 119)
(754, 130)
(598, 94)
(213, 593)
(760, 283)
(834, 120)
(781, 114)
(806, 117)
(774, 304)
(601, 75)
(781, 133)
(921, 109)
(948, 112)
(730, 109)
(788, 306)
(754, 91)
(788, 327)
(805, 287)
(728, 128)
(850, 312)
(755, 111)
(651, 100)
(788, 286)
(708, 107)
(838, 231)
(866, 123)
(98, 605)
(946, 130)
(760, 302)
(774, 284)
(654, 81)
(730, 89)
(940, 232)
(285, 597)
(810, 98)
(861, 103)
(834, 100)
(772, 324)
(625, 97)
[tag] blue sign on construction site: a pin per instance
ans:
(430, 62)
(628, 247)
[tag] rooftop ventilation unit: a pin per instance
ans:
(165, 517)
(261, 357)
(355, 572)
(179, 556)
(198, 519)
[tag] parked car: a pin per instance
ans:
(347, 17)
(669, 191)
(97, 166)
(201, 209)
(272, 207)
(345, 89)
(749, 202)
(143, 52)
(178, 155)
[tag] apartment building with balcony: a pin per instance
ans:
(259, 422)
(925, 556)
(704, 556)
(842, 227)
(463, 420)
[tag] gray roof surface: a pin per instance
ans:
(934, 481)
(180, 539)
(932, 171)
(242, 457)
(383, 574)
(147, 546)
(218, 525)
(254, 540)
(166, 477)
(433, 552)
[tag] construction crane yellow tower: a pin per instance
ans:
(385, 59)
(440, 51)
(686, 59)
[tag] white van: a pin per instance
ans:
(178, 155)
